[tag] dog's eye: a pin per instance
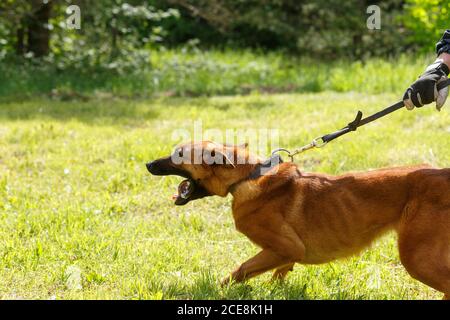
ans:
(180, 152)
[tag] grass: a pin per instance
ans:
(80, 218)
(191, 73)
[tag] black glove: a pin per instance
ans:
(424, 90)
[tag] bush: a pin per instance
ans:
(427, 20)
(193, 72)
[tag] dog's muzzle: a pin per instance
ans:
(164, 167)
(188, 189)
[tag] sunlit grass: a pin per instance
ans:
(80, 217)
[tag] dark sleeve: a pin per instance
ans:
(444, 44)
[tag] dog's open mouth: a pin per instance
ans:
(189, 190)
(185, 190)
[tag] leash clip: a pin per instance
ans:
(316, 143)
(276, 151)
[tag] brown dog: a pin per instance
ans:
(308, 218)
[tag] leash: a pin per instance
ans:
(322, 141)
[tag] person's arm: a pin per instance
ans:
(445, 57)
(424, 90)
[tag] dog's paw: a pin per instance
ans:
(226, 281)
(281, 273)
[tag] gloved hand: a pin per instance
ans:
(424, 90)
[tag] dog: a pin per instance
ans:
(312, 218)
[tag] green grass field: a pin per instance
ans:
(80, 217)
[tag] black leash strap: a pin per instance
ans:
(359, 121)
(352, 126)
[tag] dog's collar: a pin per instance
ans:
(260, 170)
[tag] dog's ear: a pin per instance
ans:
(243, 145)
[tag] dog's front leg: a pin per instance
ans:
(264, 261)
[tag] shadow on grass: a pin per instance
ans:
(207, 286)
(93, 111)
(112, 110)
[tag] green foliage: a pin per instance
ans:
(309, 27)
(191, 72)
(81, 218)
(12, 12)
(427, 20)
(116, 35)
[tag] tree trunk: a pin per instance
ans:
(38, 31)
(20, 43)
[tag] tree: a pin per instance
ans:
(38, 27)
(28, 25)
(313, 27)
(111, 30)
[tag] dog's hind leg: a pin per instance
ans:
(424, 245)
(281, 272)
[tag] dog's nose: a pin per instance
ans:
(150, 165)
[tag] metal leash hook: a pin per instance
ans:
(313, 144)
(274, 152)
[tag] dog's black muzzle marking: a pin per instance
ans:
(164, 167)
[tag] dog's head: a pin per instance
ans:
(211, 168)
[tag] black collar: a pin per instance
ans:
(260, 170)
